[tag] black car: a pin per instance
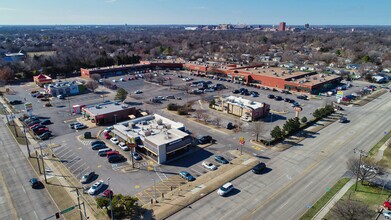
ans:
(236, 91)
(16, 102)
(270, 96)
(259, 168)
(45, 122)
(97, 142)
(35, 183)
(278, 98)
(302, 97)
(230, 126)
(292, 101)
(287, 99)
(205, 139)
(221, 159)
(115, 158)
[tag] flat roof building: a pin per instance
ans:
(158, 137)
(242, 107)
(108, 112)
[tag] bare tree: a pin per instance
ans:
(348, 209)
(160, 80)
(199, 113)
(95, 77)
(6, 73)
(218, 121)
(366, 170)
(107, 83)
(149, 76)
(256, 129)
(205, 116)
(92, 85)
(238, 125)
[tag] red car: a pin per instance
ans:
(387, 204)
(107, 137)
(108, 193)
(41, 131)
(35, 125)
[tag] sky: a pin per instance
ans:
(150, 12)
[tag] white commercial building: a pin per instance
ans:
(158, 137)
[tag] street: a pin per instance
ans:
(300, 175)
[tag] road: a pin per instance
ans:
(18, 199)
(300, 175)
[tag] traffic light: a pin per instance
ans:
(57, 215)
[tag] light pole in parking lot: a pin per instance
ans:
(154, 187)
(111, 198)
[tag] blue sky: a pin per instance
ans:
(293, 12)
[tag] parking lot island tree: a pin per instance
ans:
(121, 94)
(276, 133)
(92, 85)
(256, 129)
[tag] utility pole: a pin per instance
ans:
(78, 203)
(43, 164)
(39, 166)
(111, 198)
(13, 122)
(27, 141)
(362, 153)
(154, 187)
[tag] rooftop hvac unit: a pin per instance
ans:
(124, 106)
(159, 121)
(168, 126)
(147, 133)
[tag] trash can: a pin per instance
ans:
(87, 135)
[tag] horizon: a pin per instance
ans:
(176, 12)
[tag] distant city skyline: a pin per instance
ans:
(200, 12)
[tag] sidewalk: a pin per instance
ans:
(380, 153)
(48, 163)
(330, 204)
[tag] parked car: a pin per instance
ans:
(225, 189)
(41, 131)
(35, 183)
(304, 97)
(87, 177)
(115, 158)
(257, 169)
(270, 96)
(221, 159)
(287, 99)
(230, 126)
(45, 136)
(186, 175)
(98, 146)
(386, 214)
(45, 122)
(60, 97)
(123, 146)
(204, 139)
(80, 126)
(343, 119)
(278, 98)
(387, 204)
(114, 140)
(138, 92)
(107, 136)
(97, 142)
(108, 193)
(235, 91)
(136, 156)
(73, 125)
(16, 102)
(96, 187)
(103, 152)
(209, 165)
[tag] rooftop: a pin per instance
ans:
(114, 67)
(105, 108)
(316, 79)
(153, 128)
(244, 102)
(276, 72)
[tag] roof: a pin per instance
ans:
(239, 101)
(276, 72)
(315, 79)
(106, 108)
(42, 76)
(153, 128)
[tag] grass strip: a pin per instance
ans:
(324, 200)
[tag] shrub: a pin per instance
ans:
(172, 107)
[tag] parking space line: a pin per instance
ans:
(70, 157)
(74, 164)
(66, 153)
(82, 171)
(194, 170)
(61, 150)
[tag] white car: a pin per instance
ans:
(96, 187)
(387, 215)
(138, 92)
(370, 169)
(123, 146)
(114, 140)
(208, 165)
(121, 79)
(114, 80)
(226, 188)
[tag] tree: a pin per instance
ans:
(95, 77)
(102, 202)
(205, 117)
(92, 85)
(276, 133)
(6, 73)
(304, 120)
(317, 114)
(257, 129)
(107, 83)
(199, 113)
(121, 94)
(218, 121)
(349, 209)
(364, 169)
(160, 80)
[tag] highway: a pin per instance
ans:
(17, 199)
(300, 175)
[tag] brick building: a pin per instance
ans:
(107, 113)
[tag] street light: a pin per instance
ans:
(111, 198)
(154, 187)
